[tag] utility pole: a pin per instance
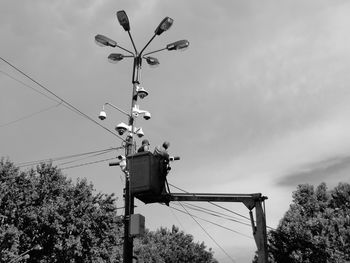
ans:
(129, 150)
(137, 91)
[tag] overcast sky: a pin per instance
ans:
(258, 103)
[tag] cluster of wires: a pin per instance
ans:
(66, 162)
(225, 214)
(49, 95)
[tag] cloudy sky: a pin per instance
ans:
(258, 103)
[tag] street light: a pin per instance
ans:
(102, 41)
(123, 20)
(164, 25)
(137, 92)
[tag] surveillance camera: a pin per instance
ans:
(147, 115)
(121, 157)
(139, 133)
(121, 128)
(141, 92)
(102, 115)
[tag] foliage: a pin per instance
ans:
(168, 246)
(72, 224)
(68, 221)
(316, 228)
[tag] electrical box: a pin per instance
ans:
(137, 225)
(147, 181)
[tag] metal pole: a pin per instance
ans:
(129, 150)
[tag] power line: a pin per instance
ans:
(84, 164)
(215, 213)
(30, 163)
(84, 158)
(66, 103)
(208, 234)
(30, 115)
(211, 222)
(28, 86)
(233, 212)
(214, 204)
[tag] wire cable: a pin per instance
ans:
(84, 164)
(247, 218)
(30, 163)
(233, 212)
(66, 103)
(30, 115)
(84, 158)
(208, 234)
(211, 222)
(177, 219)
(28, 86)
(214, 213)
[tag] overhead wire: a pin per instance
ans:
(211, 222)
(30, 163)
(247, 218)
(30, 115)
(65, 103)
(84, 164)
(28, 86)
(207, 233)
(84, 158)
(214, 213)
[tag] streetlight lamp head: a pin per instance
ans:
(102, 115)
(102, 40)
(178, 45)
(115, 57)
(123, 20)
(164, 25)
(152, 61)
(141, 92)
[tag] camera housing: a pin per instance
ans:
(147, 115)
(102, 115)
(141, 92)
(136, 112)
(122, 128)
(139, 132)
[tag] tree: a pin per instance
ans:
(316, 228)
(68, 221)
(42, 208)
(171, 246)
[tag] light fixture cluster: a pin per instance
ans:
(138, 91)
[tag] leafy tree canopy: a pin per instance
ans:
(171, 246)
(316, 228)
(58, 221)
(51, 219)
